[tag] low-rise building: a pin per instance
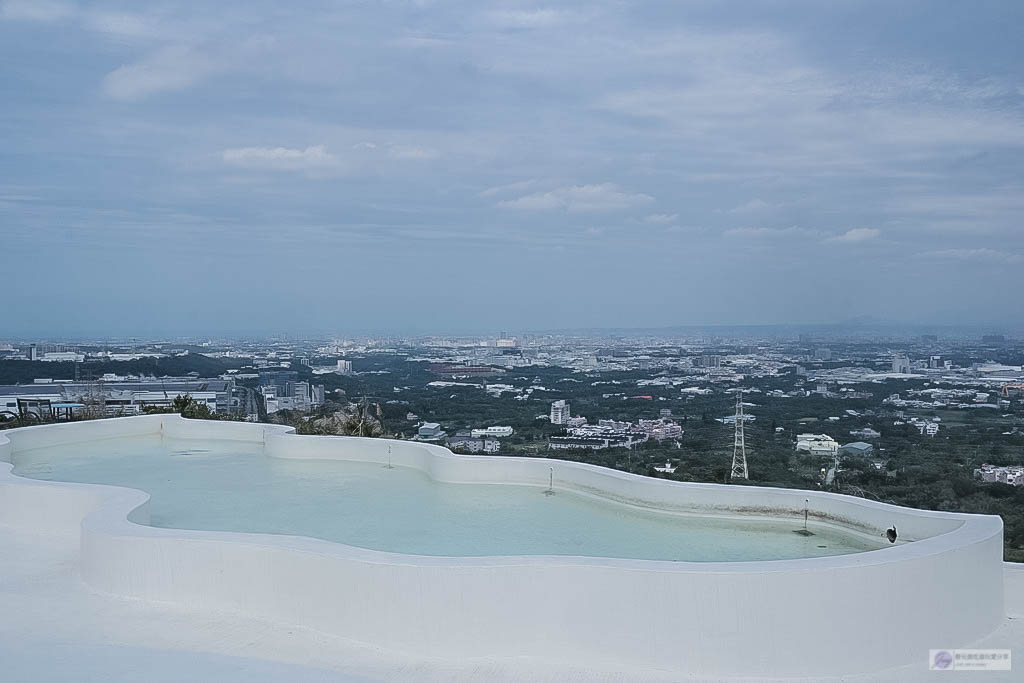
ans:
(1011, 474)
(299, 396)
(468, 443)
(598, 437)
(128, 397)
(496, 432)
(857, 448)
(63, 357)
(661, 429)
(817, 444)
(430, 431)
(866, 433)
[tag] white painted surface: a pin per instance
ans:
(792, 617)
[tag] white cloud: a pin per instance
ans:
(753, 206)
(173, 68)
(977, 255)
(578, 198)
(662, 218)
(857, 235)
(280, 158)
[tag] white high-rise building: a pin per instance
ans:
(901, 365)
(344, 367)
(560, 412)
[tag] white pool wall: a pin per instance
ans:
(807, 617)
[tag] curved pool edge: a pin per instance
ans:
(687, 616)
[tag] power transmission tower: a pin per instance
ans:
(739, 448)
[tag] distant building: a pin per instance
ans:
(859, 448)
(566, 443)
(474, 444)
(667, 468)
(129, 397)
(280, 379)
(456, 370)
(430, 431)
(817, 444)
(63, 357)
(901, 365)
(659, 430)
(823, 354)
(288, 395)
(866, 433)
(343, 367)
(495, 432)
(990, 474)
(560, 412)
(33, 352)
(598, 437)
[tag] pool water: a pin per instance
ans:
(232, 486)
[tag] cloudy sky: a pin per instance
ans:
(235, 167)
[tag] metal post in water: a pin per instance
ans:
(551, 482)
(388, 466)
(805, 531)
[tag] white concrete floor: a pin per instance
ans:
(53, 627)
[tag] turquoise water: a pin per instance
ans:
(231, 486)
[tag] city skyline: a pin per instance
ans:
(824, 332)
(444, 167)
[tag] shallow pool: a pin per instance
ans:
(232, 486)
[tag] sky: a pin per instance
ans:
(431, 166)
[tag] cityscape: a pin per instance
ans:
(438, 340)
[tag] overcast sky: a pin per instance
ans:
(234, 167)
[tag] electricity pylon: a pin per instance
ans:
(739, 447)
